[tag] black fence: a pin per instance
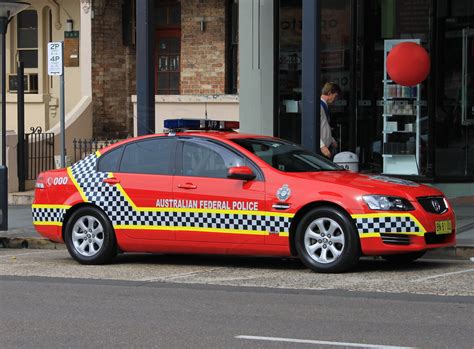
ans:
(39, 152)
(84, 147)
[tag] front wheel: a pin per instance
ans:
(327, 241)
(89, 237)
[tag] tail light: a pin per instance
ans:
(40, 181)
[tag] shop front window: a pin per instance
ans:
(454, 126)
(392, 121)
(421, 131)
(335, 58)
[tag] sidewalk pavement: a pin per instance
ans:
(21, 232)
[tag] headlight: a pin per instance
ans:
(387, 203)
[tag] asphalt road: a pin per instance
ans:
(436, 277)
(60, 312)
(165, 301)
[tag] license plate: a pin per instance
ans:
(443, 227)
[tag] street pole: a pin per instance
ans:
(3, 167)
(56, 68)
(3, 29)
(311, 118)
(21, 126)
(62, 117)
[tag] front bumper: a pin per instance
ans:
(402, 232)
(380, 245)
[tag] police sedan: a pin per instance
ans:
(203, 188)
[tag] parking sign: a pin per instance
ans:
(55, 58)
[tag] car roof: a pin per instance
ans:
(222, 135)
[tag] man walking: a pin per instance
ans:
(329, 94)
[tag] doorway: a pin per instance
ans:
(455, 90)
(168, 47)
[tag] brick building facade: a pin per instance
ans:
(203, 55)
(113, 73)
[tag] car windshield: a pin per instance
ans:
(286, 156)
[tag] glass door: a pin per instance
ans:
(336, 53)
(454, 155)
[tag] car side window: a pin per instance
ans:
(202, 158)
(109, 162)
(150, 156)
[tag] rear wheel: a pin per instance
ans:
(89, 237)
(326, 241)
(404, 258)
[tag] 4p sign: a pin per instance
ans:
(55, 58)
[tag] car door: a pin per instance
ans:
(144, 177)
(214, 208)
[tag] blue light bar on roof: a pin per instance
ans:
(200, 124)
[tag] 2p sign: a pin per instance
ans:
(55, 58)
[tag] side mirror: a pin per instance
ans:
(241, 172)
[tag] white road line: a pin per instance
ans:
(309, 341)
(443, 275)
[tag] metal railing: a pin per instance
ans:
(39, 152)
(84, 147)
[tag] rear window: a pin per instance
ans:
(109, 162)
(154, 156)
(286, 156)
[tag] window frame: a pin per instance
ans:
(167, 34)
(103, 156)
(16, 49)
(259, 176)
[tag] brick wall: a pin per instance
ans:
(203, 56)
(203, 53)
(113, 73)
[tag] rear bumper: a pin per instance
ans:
(52, 232)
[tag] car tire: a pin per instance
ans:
(90, 237)
(403, 258)
(326, 240)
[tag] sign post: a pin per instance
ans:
(56, 68)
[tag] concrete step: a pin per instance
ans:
(21, 198)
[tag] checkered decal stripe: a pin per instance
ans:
(398, 224)
(49, 215)
(252, 222)
(121, 213)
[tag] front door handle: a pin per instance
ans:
(187, 186)
(111, 180)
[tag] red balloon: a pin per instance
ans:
(408, 64)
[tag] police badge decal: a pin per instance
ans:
(283, 193)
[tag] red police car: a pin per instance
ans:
(221, 192)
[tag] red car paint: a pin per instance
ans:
(256, 198)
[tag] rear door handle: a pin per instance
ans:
(111, 180)
(187, 186)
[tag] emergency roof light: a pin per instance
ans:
(200, 124)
